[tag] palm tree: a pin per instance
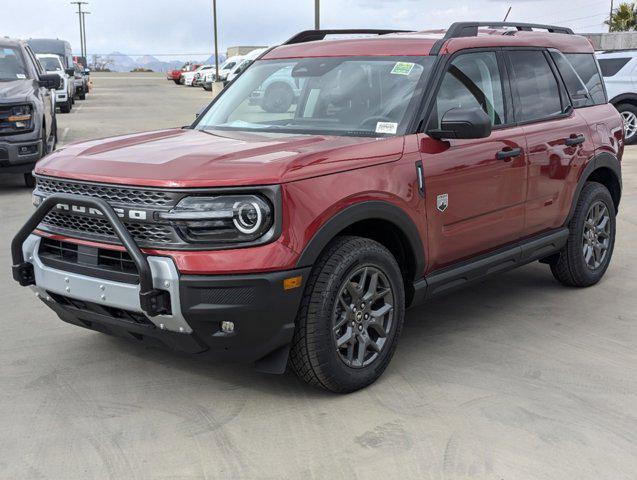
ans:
(623, 18)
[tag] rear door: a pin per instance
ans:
(474, 197)
(558, 139)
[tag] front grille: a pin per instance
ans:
(91, 261)
(79, 224)
(112, 194)
(142, 233)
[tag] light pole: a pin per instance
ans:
(317, 14)
(214, 21)
(84, 49)
(81, 19)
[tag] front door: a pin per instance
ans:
(475, 189)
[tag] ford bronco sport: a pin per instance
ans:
(412, 163)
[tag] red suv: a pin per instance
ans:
(409, 164)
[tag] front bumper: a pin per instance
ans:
(19, 157)
(261, 310)
(61, 97)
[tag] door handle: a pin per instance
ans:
(575, 140)
(508, 153)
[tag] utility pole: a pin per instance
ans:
(317, 14)
(610, 16)
(84, 49)
(214, 21)
(80, 17)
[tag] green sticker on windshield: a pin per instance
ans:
(402, 68)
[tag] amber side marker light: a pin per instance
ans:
(292, 282)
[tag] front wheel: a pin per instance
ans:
(350, 317)
(586, 256)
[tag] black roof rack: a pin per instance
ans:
(313, 35)
(470, 29)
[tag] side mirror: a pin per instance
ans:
(87, 71)
(463, 123)
(51, 81)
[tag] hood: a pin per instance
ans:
(190, 158)
(16, 90)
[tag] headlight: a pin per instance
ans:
(224, 219)
(20, 117)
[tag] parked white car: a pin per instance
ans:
(64, 96)
(619, 70)
(224, 69)
(189, 77)
(245, 63)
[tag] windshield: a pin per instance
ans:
(51, 64)
(11, 65)
(366, 96)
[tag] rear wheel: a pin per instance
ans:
(629, 115)
(588, 251)
(350, 317)
(65, 107)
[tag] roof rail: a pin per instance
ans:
(470, 29)
(313, 35)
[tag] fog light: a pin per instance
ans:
(227, 327)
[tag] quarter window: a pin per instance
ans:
(472, 81)
(536, 85)
(586, 68)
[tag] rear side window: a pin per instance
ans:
(537, 88)
(612, 66)
(582, 78)
(586, 67)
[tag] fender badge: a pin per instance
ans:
(442, 202)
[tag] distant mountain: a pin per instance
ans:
(119, 62)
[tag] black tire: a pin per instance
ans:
(571, 266)
(314, 356)
(629, 112)
(278, 98)
(65, 107)
(29, 180)
(82, 96)
(176, 81)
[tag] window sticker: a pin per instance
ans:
(21, 76)
(402, 68)
(386, 127)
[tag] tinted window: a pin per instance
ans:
(581, 76)
(610, 66)
(586, 67)
(537, 87)
(472, 80)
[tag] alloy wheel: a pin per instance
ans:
(596, 235)
(363, 316)
(630, 123)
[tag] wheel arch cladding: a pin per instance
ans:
(377, 220)
(624, 98)
(605, 169)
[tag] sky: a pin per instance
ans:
(180, 29)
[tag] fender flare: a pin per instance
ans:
(623, 97)
(601, 160)
(369, 210)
